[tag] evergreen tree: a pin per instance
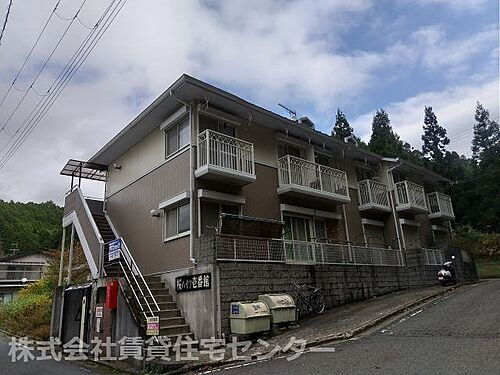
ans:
(434, 138)
(486, 133)
(383, 140)
(341, 128)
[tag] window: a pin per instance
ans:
(364, 174)
(210, 214)
(286, 149)
(321, 159)
(216, 125)
(177, 221)
(398, 176)
(177, 136)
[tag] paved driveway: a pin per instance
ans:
(456, 334)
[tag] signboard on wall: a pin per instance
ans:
(115, 247)
(152, 326)
(191, 283)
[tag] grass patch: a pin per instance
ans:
(488, 270)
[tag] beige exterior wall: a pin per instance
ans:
(264, 143)
(137, 161)
(130, 208)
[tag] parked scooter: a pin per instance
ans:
(447, 275)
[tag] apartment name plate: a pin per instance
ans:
(191, 283)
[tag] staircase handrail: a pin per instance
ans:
(135, 273)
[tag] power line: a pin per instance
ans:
(5, 21)
(43, 66)
(66, 75)
(29, 54)
(62, 75)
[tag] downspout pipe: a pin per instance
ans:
(397, 225)
(191, 177)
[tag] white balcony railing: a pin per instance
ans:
(227, 247)
(410, 195)
(373, 194)
(225, 152)
(433, 257)
(313, 177)
(440, 205)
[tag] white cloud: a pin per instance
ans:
(456, 4)
(438, 52)
(265, 50)
(454, 108)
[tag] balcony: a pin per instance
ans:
(225, 159)
(373, 196)
(302, 178)
(410, 197)
(440, 206)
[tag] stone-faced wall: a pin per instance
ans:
(340, 283)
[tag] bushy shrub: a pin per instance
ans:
(29, 314)
(482, 245)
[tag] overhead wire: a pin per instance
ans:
(61, 82)
(43, 66)
(5, 21)
(30, 53)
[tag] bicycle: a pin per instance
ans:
(309, 298)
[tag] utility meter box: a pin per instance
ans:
(249, 317)
(281, 306)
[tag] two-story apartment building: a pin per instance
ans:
(215, 199)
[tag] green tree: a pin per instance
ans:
(384, 140)
(486, 133)
(341, 128)
(434, 138)
(30, 226)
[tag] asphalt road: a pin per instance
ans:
(456, 334)
(44, 367)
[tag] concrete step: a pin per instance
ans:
(166, 305)
(174, 313)
(159, 299)
(170, 322)
(156, 285)
(152, 279)
(180, 329)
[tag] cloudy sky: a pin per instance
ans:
(314, 56)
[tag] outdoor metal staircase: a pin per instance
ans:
(147, 296)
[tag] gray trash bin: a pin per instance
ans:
(249, 317)
(281, 306)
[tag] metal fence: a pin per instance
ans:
(225, 247)
(433, 257)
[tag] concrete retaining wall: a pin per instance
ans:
(340, 283)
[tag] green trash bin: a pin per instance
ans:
(248, 317)
(281, 306)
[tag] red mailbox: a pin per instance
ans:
(112, 294)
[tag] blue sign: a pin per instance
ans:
(115, 248)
